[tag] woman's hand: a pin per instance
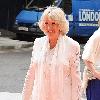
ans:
(97, 74)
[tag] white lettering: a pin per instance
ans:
(89, 15)
(87, 24)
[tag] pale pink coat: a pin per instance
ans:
(56, 79)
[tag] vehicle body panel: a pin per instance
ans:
(82, 19)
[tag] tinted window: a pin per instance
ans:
(66, 5)
(40, 3)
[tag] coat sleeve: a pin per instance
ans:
(75, 73)
(30, 76)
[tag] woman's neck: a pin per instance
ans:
(53, 42)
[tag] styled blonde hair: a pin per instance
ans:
(99, 22)
(57, 14)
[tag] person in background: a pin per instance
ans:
(54, 72)
(91, 57)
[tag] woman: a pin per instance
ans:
(91, 57)
(54, 71)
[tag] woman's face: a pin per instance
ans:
(51, 27)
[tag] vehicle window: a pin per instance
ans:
(40, 3)
(82, 0)
(66, 5)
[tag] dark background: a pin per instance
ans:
(8, 11)
(10, 8)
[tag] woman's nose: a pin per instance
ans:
(49, 26)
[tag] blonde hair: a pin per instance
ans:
(57, 14)
(99, 22)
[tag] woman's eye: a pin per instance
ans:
(46, 23)
(53, 23)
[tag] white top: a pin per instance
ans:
(49, 56)
(92, 49)
(91, 53)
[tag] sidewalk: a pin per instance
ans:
(13, 96)
(7, 43)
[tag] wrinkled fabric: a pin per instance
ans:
(91, 53)
(57, 77)
(92, 49)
